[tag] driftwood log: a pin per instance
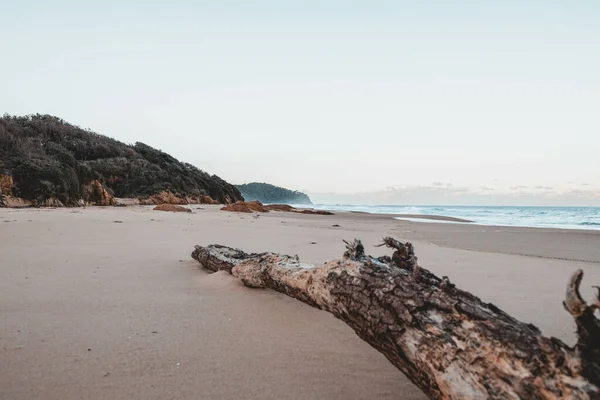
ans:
(445, 340)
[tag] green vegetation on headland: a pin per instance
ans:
(47, 161)
(266, 193)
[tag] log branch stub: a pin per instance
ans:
(447, 341)
(404, 254)
(354, 250)
(574, 303)
(588, 327)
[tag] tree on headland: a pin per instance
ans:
(267, 193)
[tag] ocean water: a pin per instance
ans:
(540, 217)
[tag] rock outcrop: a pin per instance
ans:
(14, 202)
(250, 206)
(94, 193)
(162, 198)
(7, 199)
(245, 207)
(170, 198)
(239, 206)
(171, 208)
(317, 212)
(288, 208)
(256, 206)
(6, 185)
(280, 207)
(209, 200)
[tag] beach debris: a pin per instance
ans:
(118, 222)
(171, 208)
(447, 341)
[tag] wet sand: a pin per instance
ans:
(432, 217)
(97, 309)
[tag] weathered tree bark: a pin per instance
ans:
(447, 341)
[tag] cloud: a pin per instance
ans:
(579, 192)
(462, 195)
(441, 184)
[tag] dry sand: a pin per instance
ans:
(91, 308)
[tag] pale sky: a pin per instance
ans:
(407, 102)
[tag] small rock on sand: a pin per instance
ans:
(172, 208)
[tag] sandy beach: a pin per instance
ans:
(106, 303)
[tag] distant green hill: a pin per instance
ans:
(48, 158)
(267, 193)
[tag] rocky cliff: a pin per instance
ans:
(47, 161)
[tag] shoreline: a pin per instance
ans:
(536, 242)
(433, 218)
(449, 219)
(424, 218)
